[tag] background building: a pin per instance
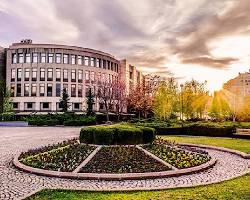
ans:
(240, 85)
(37, 74)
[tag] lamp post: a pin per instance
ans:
(181, 102)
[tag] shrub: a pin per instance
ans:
(148, 134)
(116, 134)
(7, 117)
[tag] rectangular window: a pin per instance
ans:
(13, 75)
(27, 58)
(65, 87)
(80, 76)
(65, 59)
(27, 75)
(58, 89)
(73, 90)
(76, 106)
(103, 78)
(15, 105)
(111, 63)
(99, 77)
(42, 74)
(12, 90)
(50, 57)
(14, 58)
(45, 105)
(58, 75)
(20, 58)
(104, 64)
(108, 63)
(29, 105)
(65, 75)
(58, 58)
(73, 59)
(43, 57)
(92, 62)
(19, 74)
(87, 75)
(79, 60)
(33, 90)
(97, 62)
(34, 74)
(92, 76)
(86, 60)
(49, 89)
(50, 74)
(79, 90)
(18, 90)
(73, 75)
(35, 57)
(26, 89)
(42, 89)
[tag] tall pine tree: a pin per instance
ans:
(64, 101)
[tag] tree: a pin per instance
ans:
(6, 104)
(64, 101)
(90, 102)
(166, 100)
(105, 96)
(220, 108)
(120, 97)
(195, 99)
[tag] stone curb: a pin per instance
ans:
(108, 176)
(239, 153)
(87, 160)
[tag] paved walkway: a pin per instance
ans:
(15, 184)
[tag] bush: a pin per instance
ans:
(7, 117)
(116, 134)
(148, 134)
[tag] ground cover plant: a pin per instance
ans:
(177, 157)
(122, 159)
(65, 158)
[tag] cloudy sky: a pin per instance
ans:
(200, 39)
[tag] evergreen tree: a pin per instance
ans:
(90, 102)
(64, 101)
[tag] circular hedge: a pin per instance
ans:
(117, 134)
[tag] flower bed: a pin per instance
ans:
(177, 157)
(64, 159)
(122, 159)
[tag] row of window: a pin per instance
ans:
(44, 106)
(59, 58)
(32, 89)
(60, 74)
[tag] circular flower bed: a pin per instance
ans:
(72, 159)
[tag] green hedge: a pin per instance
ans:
(66, 119)
(117, 134)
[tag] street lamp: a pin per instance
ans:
(181, 85)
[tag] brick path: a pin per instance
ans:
(15, 184)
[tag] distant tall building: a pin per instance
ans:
(240, 85)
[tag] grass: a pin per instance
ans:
(231, 143)
(237, 189)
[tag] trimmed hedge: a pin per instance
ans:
(66, 119)
(117, 134)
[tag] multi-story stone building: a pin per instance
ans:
(37, 74)
(240, 85)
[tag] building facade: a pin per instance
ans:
(240, 85)
(37, 74)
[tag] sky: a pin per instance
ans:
(192, 39)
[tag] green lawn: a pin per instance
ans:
(233, 189)
(237, 144)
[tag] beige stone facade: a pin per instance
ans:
(240, 85)
(37, 73)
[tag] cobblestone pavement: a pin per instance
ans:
(15, 184)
